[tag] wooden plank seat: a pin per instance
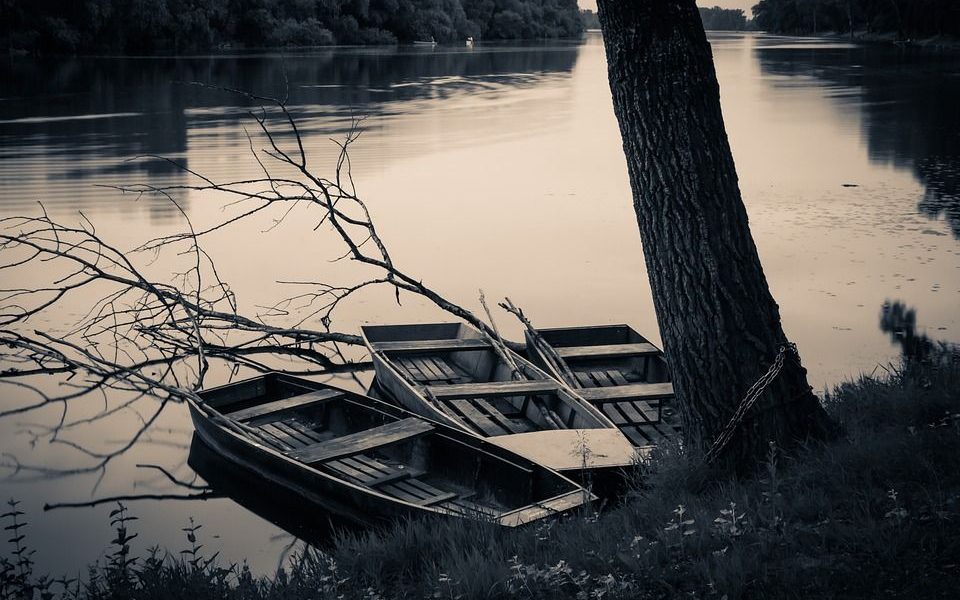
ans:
(361, 441)
(284, 405)
(420, 346)
(645, 391)
(493, 388)
(607, 351)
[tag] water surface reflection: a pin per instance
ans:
(908, 101)
(71, 125)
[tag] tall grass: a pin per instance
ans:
(875, 513)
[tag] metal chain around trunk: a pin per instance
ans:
(753, 394)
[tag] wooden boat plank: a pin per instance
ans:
(500, 418)
(622, 392)
(477, 419)
(413, 490)
(445, 368)
(412, 371)
(615, 415)
(372, 472)
(284, 405)
(654, 434)
(445, 497)
(427, 368)
(395, 475)
(427, 494)
(607, 351)
(584, 379)
(306, 430)
(635, 435)
(602, 379)
(272, 439)
(291, 441)
(617, 377)
(442, 345)
(470, 509)
(370, 463)
(630, 411)
(396, 492)
(304, 439)
(667, 431)
(425, 487)
(346, 470)
(371, 469)
(649, 411)
(493, 388)
(541, 509)
(358, 442)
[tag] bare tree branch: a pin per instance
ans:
(145, 341)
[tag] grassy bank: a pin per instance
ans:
(874, 514)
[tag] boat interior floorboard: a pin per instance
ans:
(430, 370)
(487, 419)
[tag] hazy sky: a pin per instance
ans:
(744, 4)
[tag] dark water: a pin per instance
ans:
(497, 168)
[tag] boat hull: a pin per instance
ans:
(595, 446)
(618, 371)
(523, 491)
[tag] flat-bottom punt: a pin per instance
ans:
(366, 460)
(616, 370)
(450, 372)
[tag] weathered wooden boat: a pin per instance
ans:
(615, 369)
(270, 502)
(367, 460)
(450, 372)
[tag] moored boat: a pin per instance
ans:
(452, 373)
(366, 460)
(615, 369)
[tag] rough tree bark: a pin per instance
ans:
(720, 325)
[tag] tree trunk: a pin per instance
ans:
(720, 325)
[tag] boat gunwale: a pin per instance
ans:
(293, 486)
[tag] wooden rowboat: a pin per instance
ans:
(615, 369)
(450, 372)
(367, 460)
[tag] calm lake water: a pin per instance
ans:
(497, 168)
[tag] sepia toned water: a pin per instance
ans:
(497, 167)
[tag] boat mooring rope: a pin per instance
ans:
(753, 394)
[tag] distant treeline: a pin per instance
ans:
(906, 18)
(716, 18)
(725, 19)
(152, 26)
(590, 19)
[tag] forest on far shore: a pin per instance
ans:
(715, 18)
(905, 18)
(177, 26)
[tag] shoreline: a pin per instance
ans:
(855, 517)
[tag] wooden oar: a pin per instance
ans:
(500, 347)
(546, 350)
